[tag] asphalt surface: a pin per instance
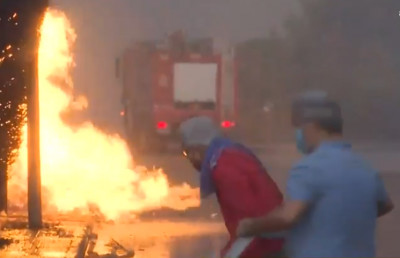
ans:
(200, 232)
(278, 161)
(51, 241)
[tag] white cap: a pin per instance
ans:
(198, 131)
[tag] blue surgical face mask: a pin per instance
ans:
(300, 141)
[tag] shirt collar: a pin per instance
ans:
(212, 155)
(339, 144)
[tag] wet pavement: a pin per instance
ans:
(57, 241)
(278, 161)
(199, 232)
(168, 239)
(146, 238)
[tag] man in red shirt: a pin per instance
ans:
(239, 180)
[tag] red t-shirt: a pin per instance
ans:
(245, 190)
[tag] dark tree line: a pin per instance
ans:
(351, 49)
(19, 22)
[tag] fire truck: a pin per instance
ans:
(167, 82)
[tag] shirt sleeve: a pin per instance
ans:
(382, 195)
(303, 184)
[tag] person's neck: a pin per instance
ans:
(331, 138)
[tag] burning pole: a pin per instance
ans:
(19, 21)
(34, 180)
(32, 82)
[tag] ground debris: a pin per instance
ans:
(21, 223)
(53, 240)
(86, 248)
(117, 251)
(5, 242)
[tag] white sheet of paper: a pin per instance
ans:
(238, 247)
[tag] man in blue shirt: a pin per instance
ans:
(334, 196)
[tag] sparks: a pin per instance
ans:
(81, 166)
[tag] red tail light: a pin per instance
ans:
(227, 124)
(162, 125)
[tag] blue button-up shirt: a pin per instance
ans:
(342, 191)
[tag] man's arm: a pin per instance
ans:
(280, 219)
(302, 189)
(385, 204)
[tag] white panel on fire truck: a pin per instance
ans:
(195, 82)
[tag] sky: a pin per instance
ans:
(106, 27)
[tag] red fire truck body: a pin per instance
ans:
(164, 86)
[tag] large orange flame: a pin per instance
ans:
(82, 166)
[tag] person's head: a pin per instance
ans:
(316, 119)
(197, 133)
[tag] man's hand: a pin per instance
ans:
(246, 228)
(280, 219)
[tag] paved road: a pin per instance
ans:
(196, 234)
(278, 162)
(57, 241)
